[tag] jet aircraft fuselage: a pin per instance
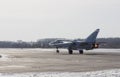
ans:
(87, 44)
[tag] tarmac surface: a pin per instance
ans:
(47, 60)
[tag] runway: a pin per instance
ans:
(47, 60)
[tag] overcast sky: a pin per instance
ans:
(30, 20)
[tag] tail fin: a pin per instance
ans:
(92, 37)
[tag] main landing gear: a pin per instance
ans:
(80, 51)
(70, 51)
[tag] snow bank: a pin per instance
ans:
(104, 73)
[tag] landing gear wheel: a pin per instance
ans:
(80, 51)
(70, 51)
(57, 51)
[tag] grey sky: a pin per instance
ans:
(33, 19)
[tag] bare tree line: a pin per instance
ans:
(44, 43)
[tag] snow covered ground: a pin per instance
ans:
(50, 64)
(104, 73)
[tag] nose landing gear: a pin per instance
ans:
(57, 51)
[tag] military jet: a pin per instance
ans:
(88, 44)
